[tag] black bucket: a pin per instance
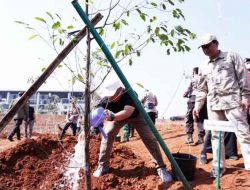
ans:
(187, 164)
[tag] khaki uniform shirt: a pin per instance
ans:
(192, 88)
(23, 112)
(223, 82)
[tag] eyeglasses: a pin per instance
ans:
(206, 46)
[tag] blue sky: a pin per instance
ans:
(228, 20)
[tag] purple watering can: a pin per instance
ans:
(97, 118)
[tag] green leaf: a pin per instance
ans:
(130, 62)
(140, 85)
(29, 28)
(61, 42)
(187, 48)
(170, 42)
(62, 31)
(43, 69)
(126, 49)
(101, 31)
(143, 17)
(32, 37)
(164, 29)
(163, 37)
(40, 19)
(180, 13)
(157, 31)
(124, 22)
(50, 15)
(171, 2)
(175, 14)
(128, 13)
(168, 51)
(80, 77)
(153, 4)
(163, 6)
(112, 45)
(20, 22)
(138, 53)
(172, 33)
(149, 29)
(180, 41)
(117, 25)
(154, 18)
(117, 54)
(139, 11)
(70, 27)
(56, 25)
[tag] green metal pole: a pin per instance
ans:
(131, 92)
(218, 169)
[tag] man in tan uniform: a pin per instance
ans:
(22, 114)
(225, 85)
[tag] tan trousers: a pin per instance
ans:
(112, 129)
(243, 134)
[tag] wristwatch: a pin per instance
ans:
(111, 116)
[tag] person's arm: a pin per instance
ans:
(156, 101)
(68, 114)
(188, 91)
(143, 99)
(121, 115)
(201, 95)
(241, 75)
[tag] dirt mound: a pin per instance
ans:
(40, 164)
(33, 162)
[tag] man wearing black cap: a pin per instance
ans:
(121, 110)
(226, 88)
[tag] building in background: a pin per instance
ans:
(44, 101)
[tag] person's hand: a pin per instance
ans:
(110, 116)
(196, 112)
(245, 105)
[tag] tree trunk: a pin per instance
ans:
(87, 172)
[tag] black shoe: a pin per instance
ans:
(10, 138)
(203, 159)
(200, 141)
(233, 157)
(189, 140)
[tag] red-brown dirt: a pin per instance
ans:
(40, 163)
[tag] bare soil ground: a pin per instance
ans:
(40, 163)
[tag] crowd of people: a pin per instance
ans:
(219, 91)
